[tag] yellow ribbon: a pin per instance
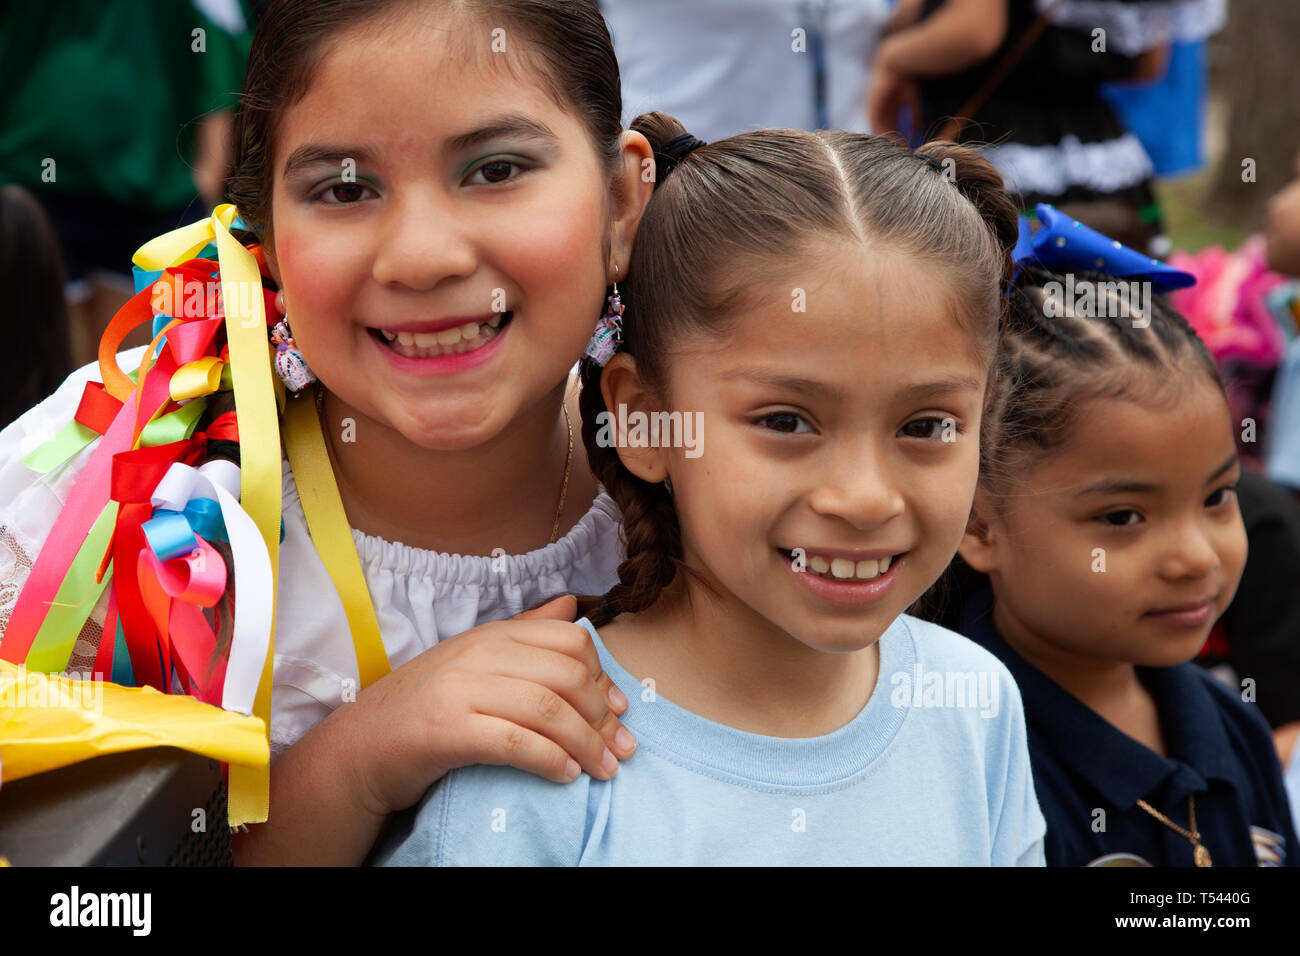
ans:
(197, 378)
(259, 433)
(331, 534)
(258, 396)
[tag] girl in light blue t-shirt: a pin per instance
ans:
(788, 415)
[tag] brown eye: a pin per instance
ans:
(496, 172)
(1106, 518)
(787, 422)
(343, 194)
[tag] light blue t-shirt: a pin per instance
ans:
(934, 770)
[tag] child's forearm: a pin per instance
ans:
(958, 35)
(322, 814)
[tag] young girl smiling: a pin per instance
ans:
(1108, 528)
(419, 173)
(828, 304)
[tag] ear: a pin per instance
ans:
(272, 264)
(621, 386)
(979, 545)
(631, 194)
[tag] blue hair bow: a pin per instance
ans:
(1064, 244)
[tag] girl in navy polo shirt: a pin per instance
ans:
(1107, 527)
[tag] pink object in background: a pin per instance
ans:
(1228, 306)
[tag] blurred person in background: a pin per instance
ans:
(116, 118)
(36, 357)
(726, 66)
(1026, 77)
(1282, 242)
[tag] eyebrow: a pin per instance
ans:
(1117, 486)
(811, 387)
(509, 125)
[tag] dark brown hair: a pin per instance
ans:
(713, 229)
(566, 43)
(571, 53)
(38, 358)
(1049, 366)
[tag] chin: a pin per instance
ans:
(841, 637)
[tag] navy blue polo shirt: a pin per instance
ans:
(1089, 775)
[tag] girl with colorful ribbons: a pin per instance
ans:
(439, 195)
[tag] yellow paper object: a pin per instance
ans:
(50, 721)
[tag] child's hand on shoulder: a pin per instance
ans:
(528, 692)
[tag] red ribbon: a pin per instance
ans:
(97, 408)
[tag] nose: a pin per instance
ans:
(422, 241)
(1189, 553)
(857, 487)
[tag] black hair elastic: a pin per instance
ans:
(931, 162)
(673, 152)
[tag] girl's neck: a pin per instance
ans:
(1110, 688)
(502, 494)
(717, 658)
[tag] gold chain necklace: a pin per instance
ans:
(1199, 853)
(568, 462)
(564, 488)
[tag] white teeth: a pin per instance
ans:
(463, 338)
(842, 568)
(846, 568)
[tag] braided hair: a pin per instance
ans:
(1048, 367)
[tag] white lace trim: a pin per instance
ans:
(1132, 28)
(1105, 166)
(16, 557)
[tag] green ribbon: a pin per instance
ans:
(74, 436)
(74, 601)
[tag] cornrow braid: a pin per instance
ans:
(1049, 365)
(1046, 368)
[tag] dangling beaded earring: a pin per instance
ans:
(289, 363)
(609, 330)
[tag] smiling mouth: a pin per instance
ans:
(454, 341)
(844, 569)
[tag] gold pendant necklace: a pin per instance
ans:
(1200, 855)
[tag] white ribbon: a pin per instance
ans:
(251, 638)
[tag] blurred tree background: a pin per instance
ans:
(1254, 113)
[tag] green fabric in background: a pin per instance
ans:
(113, 93)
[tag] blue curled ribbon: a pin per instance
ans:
(174, 534)
(1064, 244)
